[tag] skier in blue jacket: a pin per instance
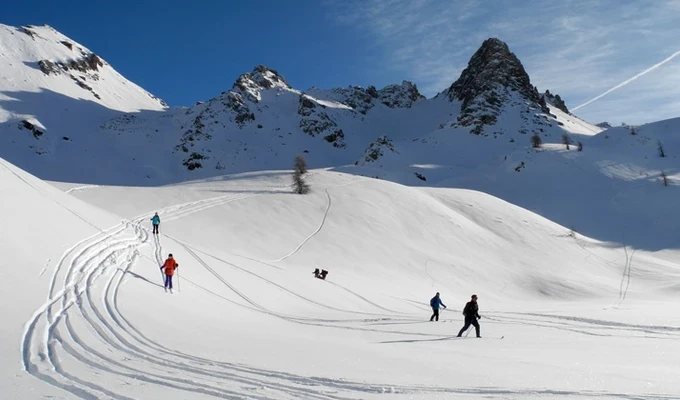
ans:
(155, 221)
(435, 302)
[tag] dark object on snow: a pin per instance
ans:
(471, 312)
(435, 302)
(320, 275)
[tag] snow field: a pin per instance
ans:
(250, 320)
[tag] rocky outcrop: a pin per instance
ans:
(399, 96)
(88, 63)
(48, 67)
(80, 81)
(316, 122)
(393, 96)
(26, 29)
(376, 150)
(555, 100)
(489, 82)
(356, 97)
(25, 124)
(234, 103)
(251, 84)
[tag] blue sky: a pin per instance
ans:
(193, 50)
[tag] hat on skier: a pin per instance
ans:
(170, 255)
(474, 296)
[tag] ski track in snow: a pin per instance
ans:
(323, 221)
(81, 188)
(81, 323)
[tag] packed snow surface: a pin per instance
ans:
(86, 316)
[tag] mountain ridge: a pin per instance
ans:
(260, 122)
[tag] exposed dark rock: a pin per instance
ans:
(337, 138)
(37, 133)
(80, 82)
(194, 161)
(251, 84)
(158, 99)
(87, 63)
(375, 150)
(67, 44)
(555, 100)
(48, 67)
(234, 102)
(373, 92)
(306, 107)
(356, 97)
(400, 96)
(487, 84)
(26, 30)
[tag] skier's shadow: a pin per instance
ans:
(139, 277)
(420, 340)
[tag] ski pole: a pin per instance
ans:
(178, 289)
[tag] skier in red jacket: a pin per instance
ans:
(170, 266)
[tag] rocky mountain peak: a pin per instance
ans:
(399, 96)
(492, 65)
(487, 83)
(555, 100)
(250, 84)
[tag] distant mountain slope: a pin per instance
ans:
(66, 115)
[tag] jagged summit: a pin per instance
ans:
(486, 85)
(493, 64)
(252, 83)
(399, 96)
(62, 105)
(555, 100)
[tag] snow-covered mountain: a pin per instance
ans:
(567, 232)
(55, 94)
(480, 133)
(65, 114)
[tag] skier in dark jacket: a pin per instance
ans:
(435, 302)
(471, 312)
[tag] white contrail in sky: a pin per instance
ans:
(624, 83)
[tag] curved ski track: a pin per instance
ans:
(80, 323)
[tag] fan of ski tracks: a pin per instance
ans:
(52, 334)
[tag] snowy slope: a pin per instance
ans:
(54, 95)
(42, 229)
(249, 320)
